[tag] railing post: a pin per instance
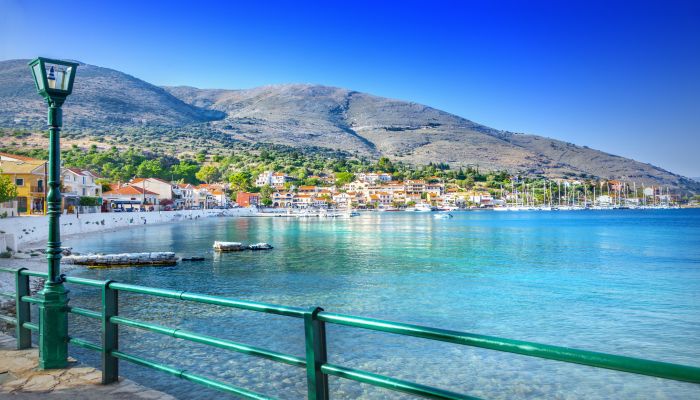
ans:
(316, 355)
(110, 334)
(23, 310)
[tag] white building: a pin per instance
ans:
(210, 196)
(163, 188)
(373, 177)
(80, 182)
(274, 179)
(183, 196)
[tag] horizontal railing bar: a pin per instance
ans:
(182, 374)
(212, 341)
(245, 305)
(8, 270)
(7, 294)
(38, 274)
(392, 383)
(85, 344)
(594, 359)
(85, 281)
(167, 293)
(31, 326)
(85, 312)
(8, 319)
(213, 300)
(30, 299)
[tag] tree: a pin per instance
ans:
(384, 164)
(208, 173)
(342, 178)
(8, 190)
(150, 169)
(240, 181)
(186, 170)
(266, 195)
(469, 182)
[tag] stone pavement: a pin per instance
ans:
(20, 380)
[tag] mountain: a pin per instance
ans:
(106, 101)
(101, 97)
(313, 115)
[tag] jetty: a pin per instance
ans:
(163, 258)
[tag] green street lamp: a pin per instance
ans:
(54, 82)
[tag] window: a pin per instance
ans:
(83, 180)
(19, 181)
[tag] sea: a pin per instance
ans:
(625, 282)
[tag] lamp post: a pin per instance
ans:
(54, 82)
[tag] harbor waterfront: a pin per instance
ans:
(622, 282)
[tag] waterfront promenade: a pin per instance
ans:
(20, 379)
(19, 231)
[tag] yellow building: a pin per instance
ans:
(29, 175)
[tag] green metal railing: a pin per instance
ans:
(315, 359)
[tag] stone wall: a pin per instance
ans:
(22, 230)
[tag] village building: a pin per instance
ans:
(307, 189)
(212, 195)
(163, 188)
(80, 183)
(342, 200)
(129, 197)
(183, 196)
(303, 200)
(30, 177)
(274, 179)
(246, 199)
(282, 199)
(415, 186)
(374, 177)
(434, 189)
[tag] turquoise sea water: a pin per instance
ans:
(624, 282)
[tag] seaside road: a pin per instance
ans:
(20, 380)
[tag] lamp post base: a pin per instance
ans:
(53, 326)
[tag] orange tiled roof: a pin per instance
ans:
(128, 190)
(21, 158)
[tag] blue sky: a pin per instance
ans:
(618, 76)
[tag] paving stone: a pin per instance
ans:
(22, 381)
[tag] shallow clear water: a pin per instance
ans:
(624, 282)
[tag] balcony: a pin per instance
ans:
(36, 189)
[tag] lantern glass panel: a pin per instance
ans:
(38, 76)
(58, 76)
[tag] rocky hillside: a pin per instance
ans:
(102, 98)
(107, 101)
(313, 115)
